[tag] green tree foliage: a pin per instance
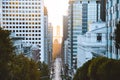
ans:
(109, 70)
(117, 35)
(76, 76)
(82, 72)
(44, 71)
(94, 66)
(99, 69)
(117, 38)
(17, 67)
(24, 69)
(6, 53)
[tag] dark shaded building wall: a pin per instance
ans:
(103, 10)
(65, 27)
(65, 35)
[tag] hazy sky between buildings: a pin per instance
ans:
(56, 10)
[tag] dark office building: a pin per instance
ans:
(103, 10)
(65, 27)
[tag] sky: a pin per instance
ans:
(56, 10)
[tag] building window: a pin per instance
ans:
(99, 37)
(117, 1)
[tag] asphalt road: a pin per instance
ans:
(57, 69)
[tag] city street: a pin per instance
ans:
(57, 69)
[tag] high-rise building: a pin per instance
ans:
(0, 12)
(92, 44)
(66, 55)
(65, 34)
(65, 27)
(80, 15)
(26, 19)
(103, 10)
(45, 35)
(70, 23)
(17, 43)
(35, 53)
(50, 43)
(112, 18)
(57, 40)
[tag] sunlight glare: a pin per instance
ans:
(56, 10)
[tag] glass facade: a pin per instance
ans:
(81, 14)
(112, 18)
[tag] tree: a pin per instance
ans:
(35, 72)
(23, 68)
(100, 68)
(18, 67)
(44, 71)
(117, 38)
(109, 70)
(15, 67)
(6, 53)
(76, 76)
(82, 72)
(94, 66)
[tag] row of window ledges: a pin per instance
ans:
(7, 25)
(26, 31)
(33, 2)
(29, 35)
(32, 39)
(20, 10)
(22, 15)
(9, 11)
(23, 23)
(23, 27)
(22, 7)
(33, 42)
(22, 19)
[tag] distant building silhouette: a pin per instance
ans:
(57, 40)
